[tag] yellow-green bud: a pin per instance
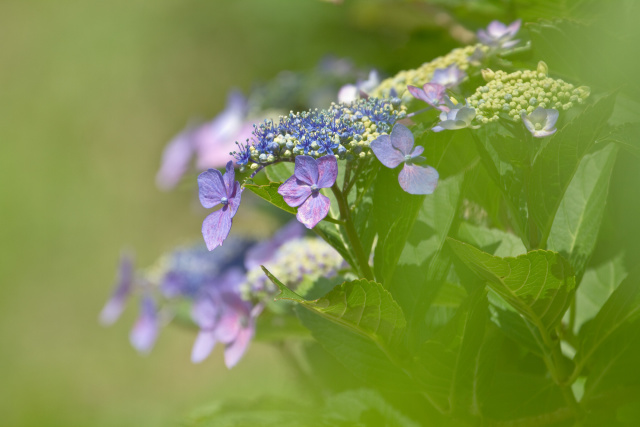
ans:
(488, 74)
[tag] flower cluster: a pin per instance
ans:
(462, 58)
(522, 92)
(344, 130)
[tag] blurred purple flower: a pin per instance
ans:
(145, 331)
(458, 117)
(302, 189)
(500, 35)
(264, 251)
(397, 148)
(541, 122)
(349, 93)
(113, 308)
(431, 93)
(449, 77)
(215, 189)
(211, 142)
(223, 316)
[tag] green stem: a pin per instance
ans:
(361, 258)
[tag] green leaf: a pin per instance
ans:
(361, 306)
(622, 307)
(627, 136)
(539, 284)
(331, 233)
(558, 162)
(575, 228)
(491, 240)
(363, 407)
(279, 172)
(269, 192)
(596, 287)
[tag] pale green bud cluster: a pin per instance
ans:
(298, 259)
(463, 57)
(522, 91)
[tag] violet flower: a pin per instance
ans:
(215, 189)
(113, 308)
(458, 117)
(145, 331)
(398, 148)
(349, 93)
(541, 122)
(449, 77)
(431, 93)
(223, 316)
(176, 158)
(302, 189)
(499, 35)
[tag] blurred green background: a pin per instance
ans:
(90, 93)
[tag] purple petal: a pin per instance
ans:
(384, 151)
(544, 132)
(294, 191)
(235, 193)
(415, 179)
(402, 139)
(434, 93)
(418, 93)
(211, 188)
(229, 325)
(264, 251)
(552, 118)
(327, 171)
(306, 170)
(417, 151)
(234, 351)
(216, 227)
(313, 210)
(113, 308)
(229, 178)
(514, 27)
(205, 342)
(496, 29)
(175, 160)
(205, 311)
(145, 331)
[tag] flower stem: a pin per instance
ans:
(361, 258)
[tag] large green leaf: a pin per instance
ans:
(491, 240)
(622, 307)
(362, 306)
(539, 284)
(269, 192)
(627, 136)
(575, 228)
(558, 162)
(596, 287)
(279, 172)
(362, 407)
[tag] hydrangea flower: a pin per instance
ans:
(215, 189)
(458, 117)
(145, 331)
(349, 93)
(500, 35)
(431, 93)
(541, 122)
(449, 77)
(223, 316)
(302, 189)
(113, 308)
(398, 148)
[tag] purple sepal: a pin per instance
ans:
(416, 179)
(313, 210)
(145, 331)
(115, 305)
(431, 93)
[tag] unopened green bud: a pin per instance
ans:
(488, 74)
(583, 91)
(254, 166)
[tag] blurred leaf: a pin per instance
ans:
(279, 172)
(363, 407)
(447, 366)
(575, 228)
(627, 136)
(491, 240)
(361, 203)
(558, 161)
(622, 307)
(449, 152)
(269, 192)
(547, 9)
(331, 234)
(361, 306)
(596, 287)
(538, 284)
(507, 159)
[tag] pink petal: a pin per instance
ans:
(416, 179)
(306, 169)
(327, 171)
(211, 188)
(205, 342)
(402, 139)
(216, 227)
(313, 210)
(294, 191)
(234, 351)
(384, 151)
